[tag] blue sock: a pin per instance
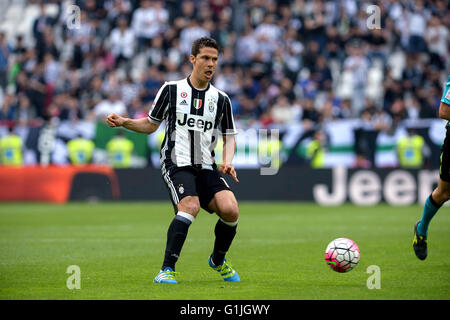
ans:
(429, 210)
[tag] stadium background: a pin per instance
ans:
(311, 69)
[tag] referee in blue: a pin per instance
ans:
(442, 193)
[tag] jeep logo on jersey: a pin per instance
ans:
(197, 103)
(194, 122)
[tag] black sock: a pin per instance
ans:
(224, 236)
(176, 235)
(434, 203)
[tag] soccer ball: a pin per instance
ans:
(342, 254)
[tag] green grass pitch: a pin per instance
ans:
(278, 252)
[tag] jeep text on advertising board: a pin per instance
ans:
(366, 187)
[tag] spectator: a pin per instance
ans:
(137, 109)
(120, 150)
(412, 74)
(398, 111)
(246, 47)
(267, 35)
(5, 51)
(227, 80)
(310, 55)
(315, 24)
(310, 115)
(292, 54)
(65, 107)
(357, 64)
(82, 38)
(223, 32)
(152, 81)
(345, 109)
(52, 69)
(436, 37)
(34, 87)
(162, 16)
(411, 150)
(377, 46)
(129, 90)
(417, 25)
(315, 150)
(80, 151)
(148, 21)
(30, 60)
(92, 94)
(329, 112)
(412, 107)
(42, 22)
(46, 45)
(282, 112)
(117, 9)
(113, 104)
(365, 140)
(322, 74)
(192, 31)
(11, 149)
(7, 110)
(382, 120)
(269, 30)
(24, 112)
(248, 112)
(122, 43)
(333, 44)
(156, 54)
(392, 91)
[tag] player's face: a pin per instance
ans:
(205, 63)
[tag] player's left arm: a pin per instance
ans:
(229, 147)
(229, 143)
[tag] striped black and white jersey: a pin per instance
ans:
(194, 120)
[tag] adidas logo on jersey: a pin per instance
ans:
(183, 103)
(194, 122)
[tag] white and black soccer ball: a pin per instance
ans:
(342, 254)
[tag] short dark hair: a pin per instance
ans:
(204, 42)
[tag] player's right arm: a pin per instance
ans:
(142, 125)
(151, 123)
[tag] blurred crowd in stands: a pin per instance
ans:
(282, 62)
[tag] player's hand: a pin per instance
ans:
(228, 169)
(113, 120)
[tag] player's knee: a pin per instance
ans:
(446, 194)
(190, 205)
(442, 193)
(229, 211)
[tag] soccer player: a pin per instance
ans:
(442, 193)
(195, 113)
